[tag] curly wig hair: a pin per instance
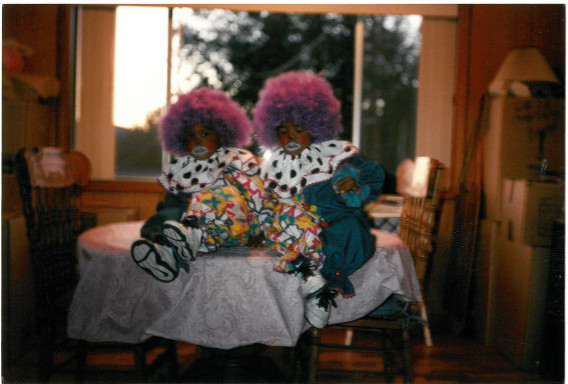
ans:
(212, 108)
(299, 98)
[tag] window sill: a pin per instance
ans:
(138, 185)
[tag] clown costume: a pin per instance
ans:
(214, 193)
(298, 118)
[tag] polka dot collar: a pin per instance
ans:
(287, 175)
(187, 174)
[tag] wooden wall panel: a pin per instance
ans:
(144, 202)
(36, 27)
(486, 35)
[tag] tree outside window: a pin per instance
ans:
(237, 51)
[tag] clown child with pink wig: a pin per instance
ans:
(311, 171)
(214, 192)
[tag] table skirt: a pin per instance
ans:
(228, 299)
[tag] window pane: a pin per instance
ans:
(237, 51)
(140, 88)
(390, 88)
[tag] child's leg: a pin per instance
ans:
(295, 236)
(153, 227)
(348, 245)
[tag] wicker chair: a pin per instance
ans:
(50, 183)
(419, 184)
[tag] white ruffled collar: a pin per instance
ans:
(189, 175)
(287, 175)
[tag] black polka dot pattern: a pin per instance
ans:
(288, 175)
(189, 175)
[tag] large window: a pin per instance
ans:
(236, 52)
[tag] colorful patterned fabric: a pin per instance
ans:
(293, 230)
(230, 170)
(223, 216)
(345, 241)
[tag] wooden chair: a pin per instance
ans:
(419, 184)
(50, 183)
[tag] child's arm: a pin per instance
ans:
(359, 182)
(347, 184)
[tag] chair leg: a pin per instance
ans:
(81, 363)
(171, 350)
(140, 363)
(45, 358)
(407, 368)
(388, 360)
(427, 335)
(314, 355)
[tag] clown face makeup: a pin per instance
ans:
(293, 138)
(202, 142)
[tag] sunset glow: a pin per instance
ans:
(140, 82)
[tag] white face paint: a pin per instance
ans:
(199, 151)
(292, 146)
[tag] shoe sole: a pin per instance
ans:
(149, 260)
(311, 324)
(176, 239)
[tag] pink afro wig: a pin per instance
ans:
(300, 98)
(214, 109)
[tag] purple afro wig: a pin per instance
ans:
(299, 98)
(214, 109)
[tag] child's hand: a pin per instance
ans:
(347, 184)
(256, 241)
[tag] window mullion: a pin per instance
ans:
(165, 155)
(358, 82)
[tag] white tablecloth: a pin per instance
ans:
(228, 299)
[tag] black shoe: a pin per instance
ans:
(191, 222)
(302, 266)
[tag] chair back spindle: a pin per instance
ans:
(52, 225)
(50, 184)
(420, 212)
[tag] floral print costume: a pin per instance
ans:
(224, 192)
(292, 229)
(345, 240)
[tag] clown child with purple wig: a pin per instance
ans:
(214, 191)
(298, 118)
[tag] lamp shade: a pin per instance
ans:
(522, 65)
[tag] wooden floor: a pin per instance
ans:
(451, 360)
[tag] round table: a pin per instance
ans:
(230, 298)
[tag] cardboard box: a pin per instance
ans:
(519, 303)
(519, 133)
(528, 210)
(485, 282)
